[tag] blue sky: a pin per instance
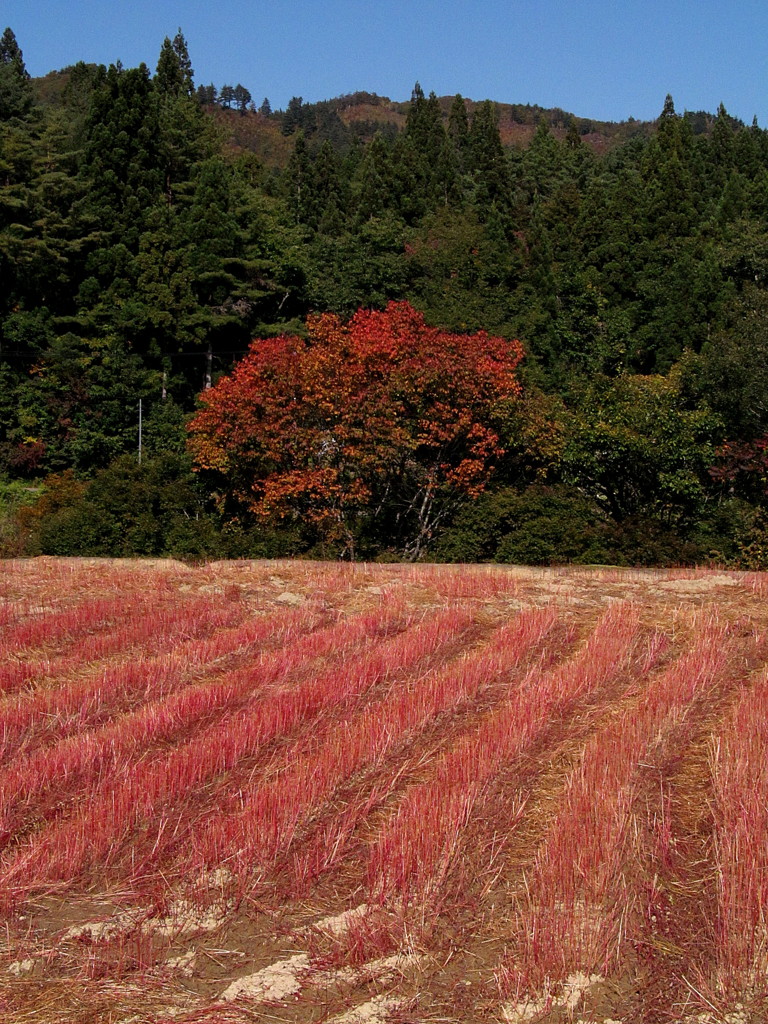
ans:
(596, 58)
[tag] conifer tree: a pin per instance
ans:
(300, 184)
(293, 118)
(15, 93)
(10, 53)
(667, 170)
(122, 152)
(169, 79)
(185, 64)
(375, 180)
(207, 95)
(242, 97)
(423, 141)
(458, 130)
(490, 169)
(330, 190)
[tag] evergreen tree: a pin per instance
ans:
(458, 131)
(293, 118)
(185, 64)
(423, 142)
(423, 124)
(446, 179)
(332, 198)
(15, 92)
(300, 184)
(489, 167)
(410, 179)
(748, 152)
(169, 79)
(122, 158)
(543, 165)
(375, 181)
(669, 193)
(10, 53)
(242, 97)
(207, 95)
(723, 139)
(572, 138)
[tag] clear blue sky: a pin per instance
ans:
(606, 59)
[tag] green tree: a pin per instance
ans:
(669, 194)
(242, 98)
(458, 131)
(207, 95)
(185, 64)
(121, 158)
(293, 118)
(15, 93)
(639, 449)
(489, 166)
(461, 273)
(425, 132)
(169, 78)
(332, 190)
(732, 370)
(300, 189)
(374, 187)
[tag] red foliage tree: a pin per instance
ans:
(382, 422)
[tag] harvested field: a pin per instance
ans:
(295, 791)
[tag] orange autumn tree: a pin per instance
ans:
(371, 429)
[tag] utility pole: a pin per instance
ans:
(139, 431)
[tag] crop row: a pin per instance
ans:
(81, 759)
(31, 719)
(311, 768)
(107, 814)
(148, 629)
(70, 625)
(585, 890)
(739, 765)
(420, 844)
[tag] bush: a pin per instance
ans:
(14, 496)
(538, 526)
(127, 510)
(559, 524)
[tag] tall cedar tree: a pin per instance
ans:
(15, 93)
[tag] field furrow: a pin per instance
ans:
(314, 766)
(416, 850)
(304, 791)
(739, 772)
(59, 631)
(28, 720)
(587, 883)
(64, 849)
(72, 765)
(152, 630)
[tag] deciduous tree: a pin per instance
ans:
(377, 426)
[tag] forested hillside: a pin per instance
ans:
(152, 227)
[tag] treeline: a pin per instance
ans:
(140, 253)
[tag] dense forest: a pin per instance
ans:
(153, 233)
